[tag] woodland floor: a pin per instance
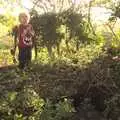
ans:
(54, 82)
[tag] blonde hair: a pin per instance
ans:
(24, 14)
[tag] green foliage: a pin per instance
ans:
(75, 23)
(115, 7)
(5, 56)
(101, 2)
(8, 20)
(52, 28)
(3, 20)
(113, 110)
(21, 105)
(69, 70)
(59, 111)
(81, 59)
(47, 29)
(27, 104)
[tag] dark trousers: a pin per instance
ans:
(24, 57)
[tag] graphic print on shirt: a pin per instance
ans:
(27, 38)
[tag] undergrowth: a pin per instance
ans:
(55, 89)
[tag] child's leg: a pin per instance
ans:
(28, 55)
(21, 58)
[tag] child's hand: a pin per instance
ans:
(116, 58)
(12, 51)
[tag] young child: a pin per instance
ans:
(25, 34)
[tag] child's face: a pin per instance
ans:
(23, 19)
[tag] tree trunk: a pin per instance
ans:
(58, 49)
(66, 41)
(77, 45)
(50, 52)
(89, 18)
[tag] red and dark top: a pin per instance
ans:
(24, 33)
